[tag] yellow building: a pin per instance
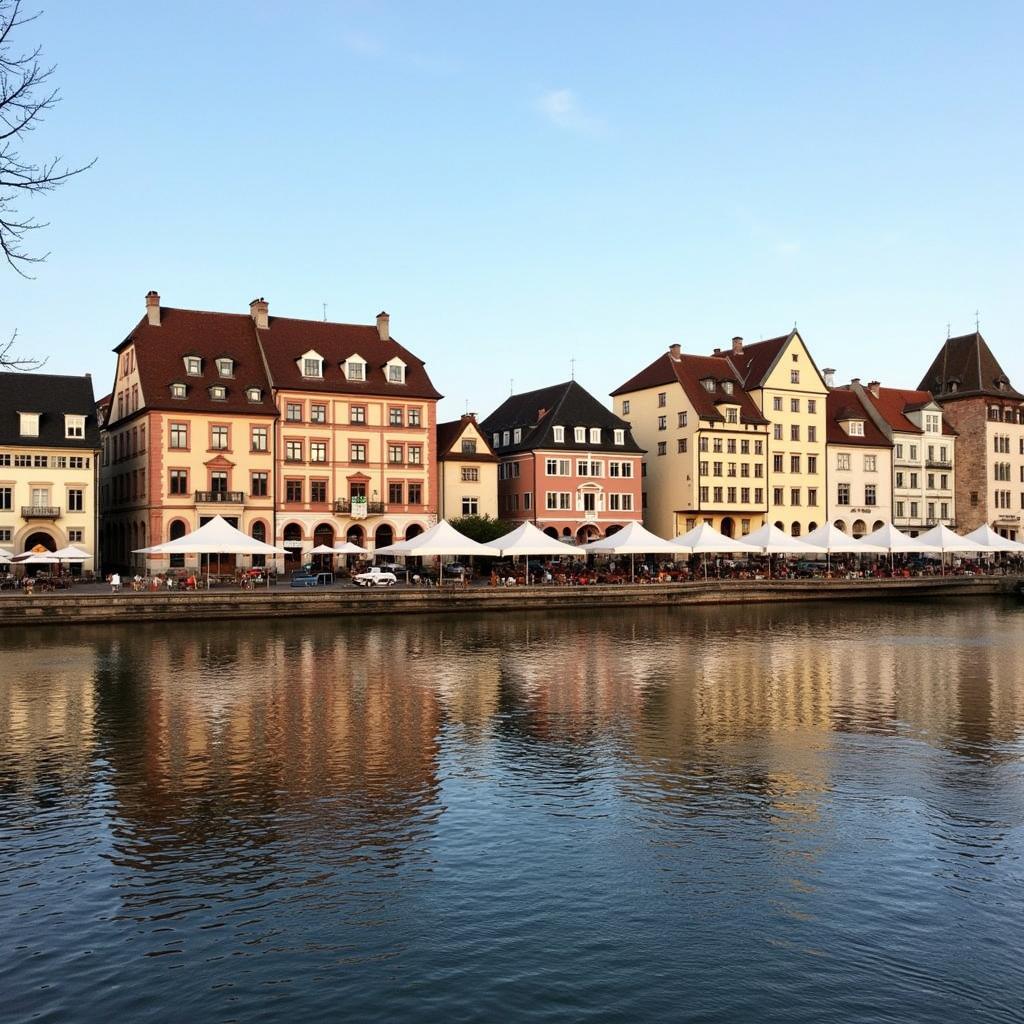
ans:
(49, 448)
(467, 472)
(787, 387)
(706, 444)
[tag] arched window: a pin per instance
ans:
(293, 544)
(384, 536)
(840, 525)
(413, 531)
(178, 529)
(795, 530)
(259, 532)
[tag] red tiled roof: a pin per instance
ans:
(689, 370)
(842, 404)
(894, 403)
(449, 433)
(755, 361)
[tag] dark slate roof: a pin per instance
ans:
(844, 404)
(967, 364)
(450, 432)
(565, 405)
(51, 395)
(689, 371)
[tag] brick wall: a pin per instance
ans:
(969, 418)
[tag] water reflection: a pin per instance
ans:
(320, 793)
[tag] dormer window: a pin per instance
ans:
(74, 426)
(311, 364)
(595, 435)
(178, 391)
(193, 366)
(620, 437)
(394, 369)
(708, 383)
(29, 424)
(580, 435)
(355, 368)
(496, 440)
(517, 435)
(559, 435)
(218, 392)
(226, 367)
(855, 428)
(254, 394)
(727, 386)
(505, 437)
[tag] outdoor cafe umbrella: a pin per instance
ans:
(441, 539)
(527, 540)
(4, 558)
(944, 540)
(833, 541)
(772, 541)
(994, 541)
(706, 540)
(634, 540)
(893, 541)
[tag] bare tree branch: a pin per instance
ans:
(25, 98)
(10, 361)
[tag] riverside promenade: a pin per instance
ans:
(19, 610)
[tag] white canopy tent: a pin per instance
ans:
(5, 558)
(348, 548)
(770, 540)
(72, 554)
(441, 539)
(35, 558)
(634, 540)
(526, 539)
(706, 540)
(942, 538)
(832, 541)
(994, 541)
(895, 542)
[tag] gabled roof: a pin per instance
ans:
(965, 367)
(567, 405)
(52, 396)
(755, 361)
(844, 404)
(893, 404)
(448, 435)
(689, 371)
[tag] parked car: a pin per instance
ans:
(455, 569)
(375, 576)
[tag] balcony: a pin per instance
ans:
(40, 512)
(343, 506)
(938, 464)
(220, 497)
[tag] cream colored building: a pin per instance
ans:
(467, 470)
(49, 448)
(706, 443)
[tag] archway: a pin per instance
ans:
(323, 534)
(612, 530)
(413, 531)
(383, 536)
(586, 533)
(292, 537)
(178, 528)
(566, 532)
(551, 532)
(860, 528)
(840, 525)
(811, 527)
(39, 539)
(728, 526)
(779, 526)
(258, 531)
(795, 530)
(878, 525)
(355, 535)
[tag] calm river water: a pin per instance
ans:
(740, 814)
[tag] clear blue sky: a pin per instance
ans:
(525, 183)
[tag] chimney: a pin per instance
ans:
(259, 310)
(873, 387)
(718, 351)
(737, 346)
(153, 308)
(830, 377)
(674, 352)
(384, 326)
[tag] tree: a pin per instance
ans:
(482, 528)
(26, 94)
(10, 361)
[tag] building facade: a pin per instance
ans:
(566, 463)
(49, 459)
(923, 455)
(706, 444)
(467, 474)
(978, 400)
(298, 432)
(859, 467)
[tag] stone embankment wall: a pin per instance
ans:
(18, 610)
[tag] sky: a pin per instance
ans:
(526, 185)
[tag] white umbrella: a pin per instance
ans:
(4, 558)
(943, 539)
(994, 541)
(348, 548)
(72, 554)
(706, 540)
(832, 541)
(893, 541)
(772, 541)
(35, 558)
(634, 540)
(321, 549)
(527, 540)
(442, 539)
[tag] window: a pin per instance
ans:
(580, 435)
(29, 424)
(254, 394)
(396, 454)
(396, 373)
(843, 494)
(413, 416)
(357, 414)
(842, 460)
(219, 439)
(702, 444)
(794, 496)
(395, 417)
(777, 404)
(717, 492)
(258, 439)
(470, 474)
(662, 399)
(794, 463)
(777, 464)
(470, 506)
(178, 482)
(258, 485)
(812, 496)
(727, 386)
(293, 451)
(74, 426)
(355, 370)
(732, 414)
(900, 479)
(415, 496)
(913, 453)
(219, 482)
(856, 428)
(703, 467)
(681, 445)
(758, 495)
(778, 496)
(469, 446)
(318, 492)
(812, 434)
(396, 493)
(716, 469)
(415, 454)
(193, 366)
(595, 435)
(794, 405)
(293, 412)
(812, 406)
(517, 435)
(311, 367)
(178, 391)
(218, 392)
(74, 536)
(662, 422)
(870, 463)
(759, 447)
(870, 494)
(625, 407)
(709, 384)
(317, 413)
(226, 367)
(179, 435)
(76, 500)
(662, 447)
(506, 438)
(794, 432)
(42, 461)
(317, 451)
(558, 434)
(794, 376)
(22, 460)
(293, 490)
(777, 431)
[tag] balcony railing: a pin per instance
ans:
(40, 512)
(373, 508)
(220, 497)
(938, 464)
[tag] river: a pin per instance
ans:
(763, 813)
